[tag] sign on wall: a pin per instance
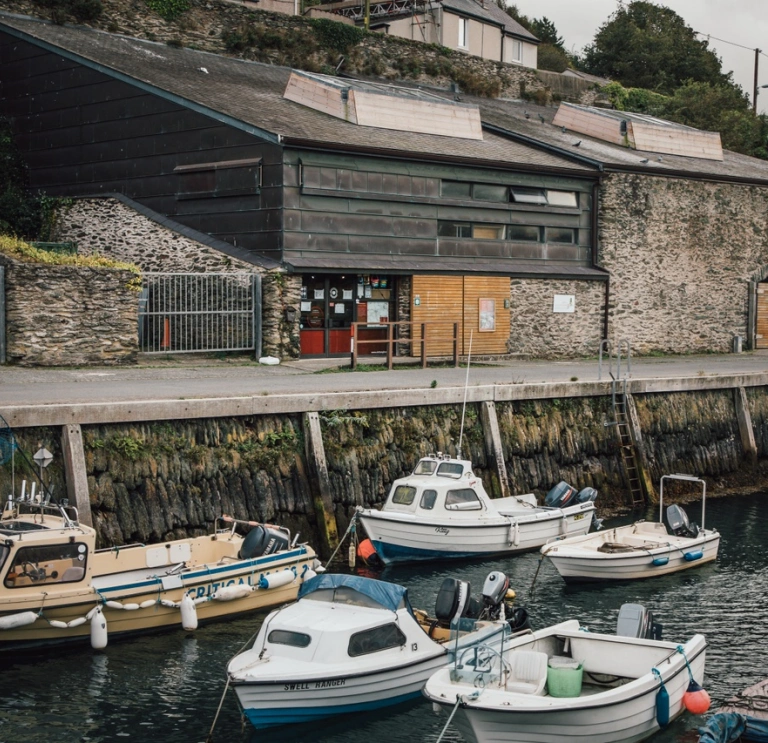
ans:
(487, 315)
(564, 303)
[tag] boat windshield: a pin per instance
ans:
(425, 467)
(450, 469)
(345, 595)
(46, 564)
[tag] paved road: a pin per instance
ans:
(178, 379)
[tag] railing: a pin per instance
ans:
(391, 340)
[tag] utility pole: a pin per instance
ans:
(754, 94)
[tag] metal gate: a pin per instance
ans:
(200, 312)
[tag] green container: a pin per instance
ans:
(564, 677)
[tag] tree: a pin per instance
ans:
(544, 30)
(643, 45)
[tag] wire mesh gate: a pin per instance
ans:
(200, 312)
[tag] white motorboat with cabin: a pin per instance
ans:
(352, 644)
(441, 510)
(640, 550)
(57, 588)
(566, 683)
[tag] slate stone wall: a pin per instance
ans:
(69, 315)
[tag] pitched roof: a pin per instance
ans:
(249, 95)
(490, 10)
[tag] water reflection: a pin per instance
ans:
(168, 687)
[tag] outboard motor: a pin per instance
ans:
(561, 495)
(262, 541)
(495, 593)
(454, 601)
(635, 621)
(588, 495)
(678, 522)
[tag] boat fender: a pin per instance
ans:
(662, 701)
(696, 699)
(90, 614)
(98, 630)
(169, 604)
(692, 556)
(188, 613)
(275, 580)
(77, 622)
(18, 620)
(114, 605)
(57, 624)
(309, 574)
(514, 533)
(130, 607)
(317, 566)
(146, 604)
(659, 561)
(230, 593)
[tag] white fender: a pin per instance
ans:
(90, 614)
(229, 593)
(146, 604)
(130, 607)
(169, 604)
(98, 630)
(188, 613)
(17, 620)
(317, 566)
(309, 574)
(77, 622)
(56, 623)
(114, 605)
(275, 580)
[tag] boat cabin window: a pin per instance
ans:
(47, 564)
(3, 554)
(345, 595)
(404, 495)
(464, 499)
(425, 467)
(376, 639)
(428, 498)
(450, 469)
(284, 637)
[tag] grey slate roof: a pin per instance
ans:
(250, 95)
(489, 9)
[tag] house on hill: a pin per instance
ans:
(380, 203)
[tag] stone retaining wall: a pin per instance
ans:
(69, 315)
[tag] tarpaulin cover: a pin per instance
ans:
(389, 595)
(727, 727)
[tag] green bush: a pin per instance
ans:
(169, 10)
(336, 36)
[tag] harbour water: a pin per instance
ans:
(168, 687)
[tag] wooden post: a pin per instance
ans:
(456, 345)
(493, 448)
(389, 346)
(75, 472)
(353, 362)
(318, 472)
(746, 432)
(423, 345)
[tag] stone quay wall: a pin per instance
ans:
(69, 315)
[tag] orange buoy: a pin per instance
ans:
(365, 550)
(696, 700)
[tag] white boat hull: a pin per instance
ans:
(399, 538)
(580, 560)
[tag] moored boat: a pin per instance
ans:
(640, 550)
(352, 644)
(441, 511)
(57, 588)
(566, 683)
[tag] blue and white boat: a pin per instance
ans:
(353, 644)
(441, 511)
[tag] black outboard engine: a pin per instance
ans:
(635, 621)
(561, 495)
(678, 522)
(590, 495)
(262, 541)
(454, 601)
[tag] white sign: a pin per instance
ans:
(306, 306)
(564, 303)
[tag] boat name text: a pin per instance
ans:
(316, 685)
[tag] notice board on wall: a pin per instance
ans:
(378, 312)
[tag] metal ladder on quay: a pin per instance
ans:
(627, 447)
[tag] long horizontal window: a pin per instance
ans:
(454, 229)
(561, 235)
(504, 194)
(523, 233)
(510, 232)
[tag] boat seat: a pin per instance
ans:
(70, 575)
(528, 672)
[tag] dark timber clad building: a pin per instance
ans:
(345, 184)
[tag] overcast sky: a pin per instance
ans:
(743, 22)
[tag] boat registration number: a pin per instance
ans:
(579, 516)
(316, 685)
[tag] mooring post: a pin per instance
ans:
(493, 448)
(321, 483)
(744, 417)
(637, 439)
(75, 472)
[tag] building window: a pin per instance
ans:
(523, 233)
(520, 195)
(561, 235)
(517, 50)
(454, 229)
(489, 192)
(562, 198)
(488, 231)
(230, 178)
(456, 190)
(463, 33)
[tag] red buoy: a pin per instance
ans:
(696, 700)
(365, 550)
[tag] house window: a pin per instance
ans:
(523, 233)
(562, 198)
(454, 229)
(521, 195)
(488, 231)
(561, 235)
(463, 33)
(517, 50)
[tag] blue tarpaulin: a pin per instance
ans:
(389, 595)
(728, 727)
